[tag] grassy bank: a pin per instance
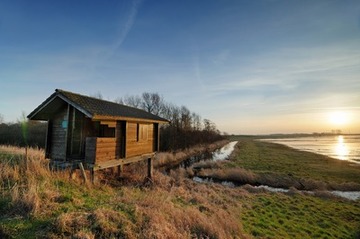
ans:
(36, 203)
(258, 162)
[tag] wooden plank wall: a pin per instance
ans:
(139, 145)
(58, 136)
(90, 150)
(105, 149)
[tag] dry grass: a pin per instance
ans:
(173, 210)
(207, 165)
(36, 202)
(238, 175)
(101, 223)
(27, 181)
(125, 207)
(171, 159)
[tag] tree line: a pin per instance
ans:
(23, 133)
(185, 129)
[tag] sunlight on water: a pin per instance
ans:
(342, 147)
(341, 150)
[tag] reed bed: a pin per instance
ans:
(38, 203)
(170, 159)
(52, 205)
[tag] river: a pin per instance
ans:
(342, 147)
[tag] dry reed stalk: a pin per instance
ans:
(25, 200)
(238, 175)
(72, 222)
(110, 223)
(25, 183)
(207, 165)
(167, 159)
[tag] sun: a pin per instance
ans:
(339, 118)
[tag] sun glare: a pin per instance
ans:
(339, 118)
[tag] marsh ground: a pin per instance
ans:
(37, 203)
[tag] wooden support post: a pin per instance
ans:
(120, 169)
(83, 171)
(92, 175)
(150, 168)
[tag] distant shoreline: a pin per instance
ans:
(284, 136)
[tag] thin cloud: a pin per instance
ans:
(135, 5)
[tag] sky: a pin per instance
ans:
(251, 67)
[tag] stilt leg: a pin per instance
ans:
(150, 168)
(92, 175)
(120, 170)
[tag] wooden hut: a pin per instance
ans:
(96, 134)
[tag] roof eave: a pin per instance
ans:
(75, 105)
(41, 106)
(109, 117)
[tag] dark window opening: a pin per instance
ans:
(106, 132)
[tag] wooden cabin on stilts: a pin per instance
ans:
(93, 134)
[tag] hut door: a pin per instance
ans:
(76, 134)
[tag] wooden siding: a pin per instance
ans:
(139, 139)
(58, 135)
(90, 150)
(105, 149)
(100, 149)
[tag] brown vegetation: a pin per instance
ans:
(35, 202)
(170, 160)
(166, 208)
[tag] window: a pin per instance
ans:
(107, 132)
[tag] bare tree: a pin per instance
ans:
(185, 118)
(185, 129)
(166, 111)
(196, 121)
(133, 101)
(209, 125)
(152, 103)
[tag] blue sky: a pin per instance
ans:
(250, 66)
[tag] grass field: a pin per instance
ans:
(258, 162)
(37, 203)
(264, 157)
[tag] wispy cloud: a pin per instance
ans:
(127, 26)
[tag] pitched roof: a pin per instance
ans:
(92, 107)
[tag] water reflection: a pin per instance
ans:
(341, 150)
(342, 147)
